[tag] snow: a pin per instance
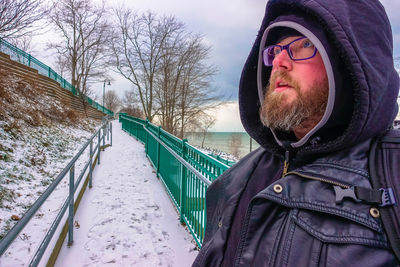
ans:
(216, 152)
(30, 168)
(37, 140)
(127, 218)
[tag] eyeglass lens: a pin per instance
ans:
(299, 49)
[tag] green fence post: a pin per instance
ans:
(71, 205)
(158, 150)
(147, 138)
(108, 131)
(91, 164)
(99, 144)
(137, 131)
(104, 137)
(183, 184)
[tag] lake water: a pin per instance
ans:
(234, 143)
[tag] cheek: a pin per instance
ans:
(312, 76)
(320, 71)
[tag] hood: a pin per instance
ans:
(357, 51)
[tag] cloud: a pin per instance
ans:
(392, 9)
(228, 26)
(226, 123)
(222, 14)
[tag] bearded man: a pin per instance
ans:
(318, 86)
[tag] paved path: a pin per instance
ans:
(127, 219)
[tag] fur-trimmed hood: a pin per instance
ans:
(357, 50)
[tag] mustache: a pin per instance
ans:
(283, 75)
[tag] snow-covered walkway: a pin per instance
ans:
(127, 219)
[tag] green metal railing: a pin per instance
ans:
(74, 182)
(221, 159)
(17, 54)
(185, 171)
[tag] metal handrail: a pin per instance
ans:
(223, 160)
(146, 125)
(185, 171)
(180, 159)
(19, 226)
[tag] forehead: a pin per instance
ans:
(288, 39)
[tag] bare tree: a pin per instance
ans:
(19, 18)
(130, 99)
(133, 111)
(83, 48)
(167, 82)
(131, 105)
(196, 93)
(112, 101)
(62, 65)
(183, 90)
(205, 123)
(137, 51)
(24, 43)
(167, 66)
(199, 127)
(235, 144)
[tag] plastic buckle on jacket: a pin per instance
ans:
(345, 192)
(387, 197)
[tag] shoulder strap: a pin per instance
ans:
(384, 166)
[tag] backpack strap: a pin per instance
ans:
(380, 196)
(384, 166)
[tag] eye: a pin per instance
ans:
(307, 44)
(277, 50)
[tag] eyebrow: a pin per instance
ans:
(295, 37)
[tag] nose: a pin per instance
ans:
(282, 60)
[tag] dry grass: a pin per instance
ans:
(23, 102)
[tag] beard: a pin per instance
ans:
(277, 114)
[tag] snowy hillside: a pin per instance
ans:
(38, 137)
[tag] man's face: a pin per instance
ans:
(297, 91)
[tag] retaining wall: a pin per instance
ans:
(48, 86)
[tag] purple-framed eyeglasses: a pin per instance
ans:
(299, 49)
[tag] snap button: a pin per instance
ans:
(220, 224)
(278, 188)
(374, 212)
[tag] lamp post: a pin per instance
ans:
(104, 89)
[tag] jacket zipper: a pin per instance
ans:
(318, 179)
(286, 167)
(286, 163)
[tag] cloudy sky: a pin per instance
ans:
(230, 27)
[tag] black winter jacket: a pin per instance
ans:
(300, 219)
(296, 221)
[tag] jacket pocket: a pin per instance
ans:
(320, 239)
